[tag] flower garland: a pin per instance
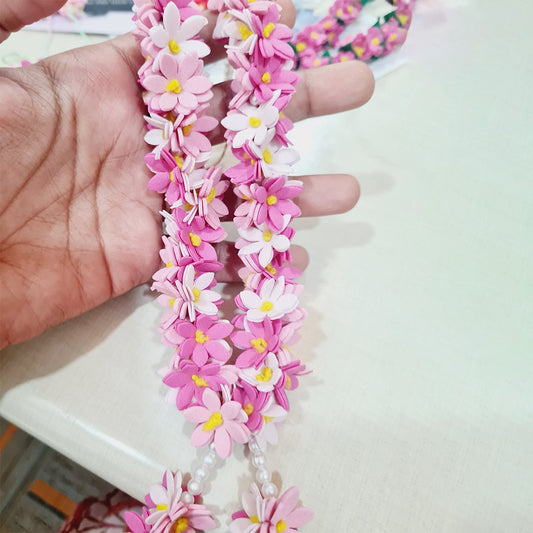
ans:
(322, 43)
(241, 399)
(231, 397)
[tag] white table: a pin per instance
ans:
(419, 414)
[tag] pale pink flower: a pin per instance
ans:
(222, 423)
(176, 37)
(181, 85)
(264, 378)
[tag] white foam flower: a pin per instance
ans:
(253, 123)
(175, 37)
(199, 298)
(162, 134)
(274, 158)
(240, 31)
(266, 376)
(271, 302)
(263, 241)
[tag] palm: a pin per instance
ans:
(94, 233)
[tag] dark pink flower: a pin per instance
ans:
(203, 339)
(374, 42)
(252, 401)
(192, 380)
(273, 36)
(257, 340)
(167, 178)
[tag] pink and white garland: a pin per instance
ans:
(230, 397)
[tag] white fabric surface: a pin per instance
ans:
(419, 414)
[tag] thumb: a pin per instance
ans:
(15, 15)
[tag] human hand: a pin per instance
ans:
(78, 225)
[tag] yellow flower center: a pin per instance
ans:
(266, 306)
(171, 302)
(179, 160)
(264, 375)
(375, 41)
(196, 294)
(174, 47)
(327, 24)
(344, 58)
(300, 47)
(281, 526)
(271, 269)
(245, 31)
(196, 240)
(313, 35)
(173, 86)
(254, 122)
(268, 419)
(267, 235)
(214, 421)
(171, 176)
(211, 196)
(339, 13)
(254, 519)
(198, 381)
(259, 344)
(182, 524)
(271, 199)
(265, 78)
(169, 264)
(248, 409)
(267, 156)
(269, 28)
(200, 337)
(161, 507)
(187, 129)
(358, 51)
(392, 37)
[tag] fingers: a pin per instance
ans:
(330, 194)
(15, 15)
(227, 255)
(322, 91)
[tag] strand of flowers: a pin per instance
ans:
(315, 43)
(256, 131)
(226, 401)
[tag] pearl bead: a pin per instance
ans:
(269, 490)
(209, 460)
(259, 461)
(194, 487)
(187, 498)
(200, 474)
(254, 447)
(262, 475)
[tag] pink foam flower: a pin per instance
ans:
(222, 423)
(161, 134)
(252, 401)
(188, 296)
(191, 138)
(272, 36)
(288, 381)
(192, 380)
(171, 256)
(168, 176)
(186, 7)
(270, 515)
(206, 201)
(393, 33)
(175, 35)
(197, 237)
(273, 414)
(204, 339)
(180, 87)
(374, 42)
(167, 513)
(268, 76)
(256, 341)
(268, 203)
(360, 48)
